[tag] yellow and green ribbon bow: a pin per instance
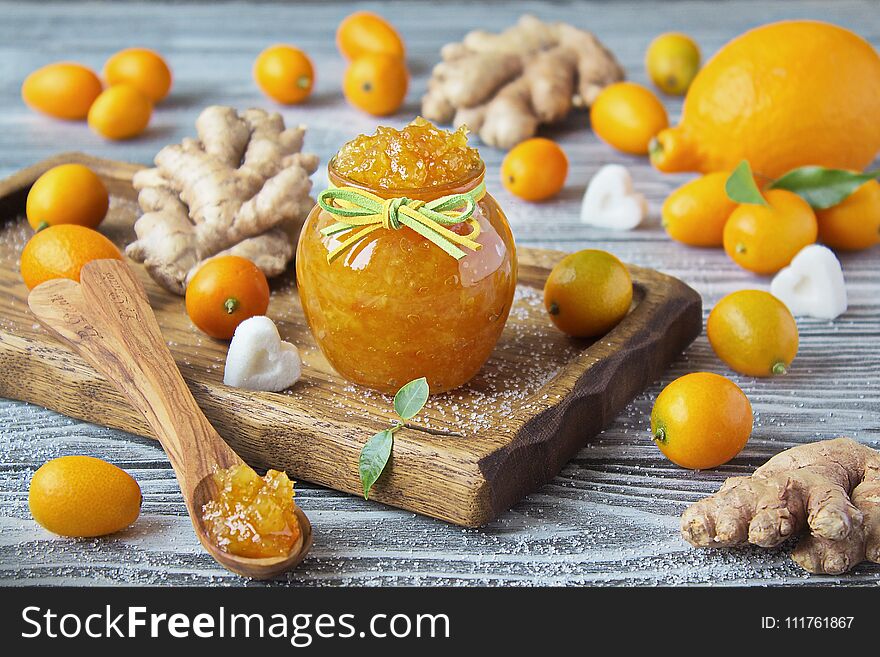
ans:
(359, 208)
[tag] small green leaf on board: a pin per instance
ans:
(374, 456)
(408, 401)
(741, 187)
(823, 188)
(411, 398)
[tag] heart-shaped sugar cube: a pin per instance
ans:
(611, 202)
(812, 285)
(259, 360)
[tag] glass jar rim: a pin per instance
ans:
(465, 183)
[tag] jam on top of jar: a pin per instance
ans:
(419, 155)
(252, 516)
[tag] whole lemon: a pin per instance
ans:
(627, 116)
(143, 69)
(61, 252)
(701, 420)
(765, 238)
(854, 223)
(83, 496)
(285, 74)
(364, 32)
(67, 194)
(753, 332)
(376, 83)
(535, 169)
(672, 62)
(781, 96)
(120, 112)
(64, 90)
(588, 293)
(224, 292)
(696, 213)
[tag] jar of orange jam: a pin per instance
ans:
(395, 306)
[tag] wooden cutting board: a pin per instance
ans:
(469, 456)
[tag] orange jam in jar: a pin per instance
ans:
(395, 306)
(252, 516)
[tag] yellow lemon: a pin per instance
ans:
(83, 496)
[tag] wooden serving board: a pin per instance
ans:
(469, 456)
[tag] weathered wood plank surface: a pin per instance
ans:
(611, 515)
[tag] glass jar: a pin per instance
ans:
(396, 307)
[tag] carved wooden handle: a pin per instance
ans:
(107, 318)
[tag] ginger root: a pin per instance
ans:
(242, 188)
(831, 487)
(503, 86)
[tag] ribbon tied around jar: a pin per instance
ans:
(368, 212)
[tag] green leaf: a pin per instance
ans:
(374, 456)
(410, 399)
(823, 188)
(741, 187)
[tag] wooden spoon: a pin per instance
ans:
(107, 319)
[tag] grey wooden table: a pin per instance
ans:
(611, 516)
